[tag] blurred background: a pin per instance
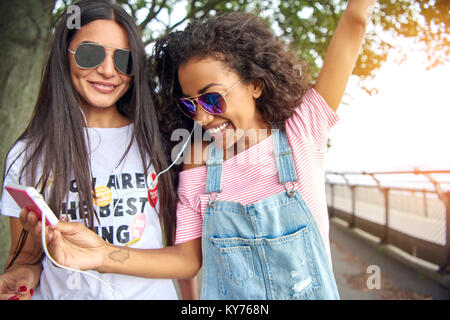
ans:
(388, 164)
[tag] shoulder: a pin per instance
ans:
(15, 155)
(314, 98)
(312, 110)
(313, 119)
(17, 148)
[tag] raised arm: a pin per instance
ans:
(343, 51)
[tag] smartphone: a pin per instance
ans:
(28, 197)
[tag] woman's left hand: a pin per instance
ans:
(18, 283)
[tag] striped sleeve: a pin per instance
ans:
(189, 223)
(189, 217)
(313, 119)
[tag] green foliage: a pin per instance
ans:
(306, 26)
(5, 241)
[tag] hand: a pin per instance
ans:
(75, 246)
(18, 283)
(31, 223)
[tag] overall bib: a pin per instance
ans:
(269, 249)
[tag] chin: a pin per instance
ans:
(102, 103)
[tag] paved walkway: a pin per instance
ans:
(353, 255)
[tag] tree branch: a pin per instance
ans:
(193, 11)
(153, 13)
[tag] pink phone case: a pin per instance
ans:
(25, 197)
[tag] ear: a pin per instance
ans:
(257, 88)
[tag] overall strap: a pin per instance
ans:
(214, 169)
(283, 157)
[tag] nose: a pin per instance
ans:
(107, 68)
(202, 116)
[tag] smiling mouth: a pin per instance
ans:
(103, 87)
(218, 129)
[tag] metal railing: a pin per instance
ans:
(407, 209)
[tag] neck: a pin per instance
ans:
(104, 117)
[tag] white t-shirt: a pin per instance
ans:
(126, 216)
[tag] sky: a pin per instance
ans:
(405, 125)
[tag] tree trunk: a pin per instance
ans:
(24, 31)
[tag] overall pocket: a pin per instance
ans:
(292, 266)
(234, 261)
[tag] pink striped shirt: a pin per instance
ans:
(252, 174)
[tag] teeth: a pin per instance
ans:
(218, 129)
(104, 86)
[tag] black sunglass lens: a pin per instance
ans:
(123, 61)
(213, 102)
(187, 106)
(89, 55)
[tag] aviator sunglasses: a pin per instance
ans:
(89, 55)
(211, 102)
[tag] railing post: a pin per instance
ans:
(425, 204)
(331, 211)
(445, 267)
(385, 237)
(353, 217)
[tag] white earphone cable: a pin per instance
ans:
(154, 182)
(44, 246)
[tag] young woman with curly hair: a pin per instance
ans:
(255, 203)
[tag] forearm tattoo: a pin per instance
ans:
(119, 256)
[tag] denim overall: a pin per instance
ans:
(269, 249)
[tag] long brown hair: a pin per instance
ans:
(55, 145)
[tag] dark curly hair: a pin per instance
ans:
(247, 46)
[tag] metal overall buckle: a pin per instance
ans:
(290, 192)
(212, 200)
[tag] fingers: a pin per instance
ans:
(37, 232)
(18, 283)
(55, 238)
(23, 292)
(31, 223)
(56, 249)
(23, 215)
(20, 296)
(28, 219)
(69, 227)
(9, 296)
(6, 292)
